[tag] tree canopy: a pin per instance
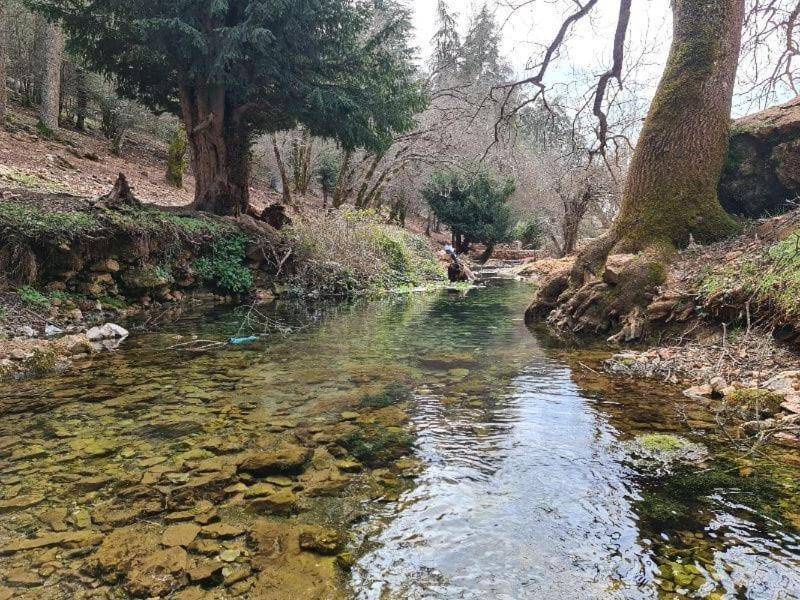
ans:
(340, 68)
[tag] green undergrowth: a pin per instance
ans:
(224, 269)
(769, 279)
(350, 252)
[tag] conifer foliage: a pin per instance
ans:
(234, 69)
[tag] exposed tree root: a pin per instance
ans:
(590, 302)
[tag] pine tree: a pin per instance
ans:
(480, 52)
(233, 70)
(446, 42)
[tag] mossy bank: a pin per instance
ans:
(66, 262)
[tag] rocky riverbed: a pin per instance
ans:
(203, 495)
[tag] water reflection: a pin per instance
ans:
(528, 492)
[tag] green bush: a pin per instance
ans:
(530, 232)
(225, 269)
(474, 208)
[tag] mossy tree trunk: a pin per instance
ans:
(671, 189)
(176, 157)
(670, 193)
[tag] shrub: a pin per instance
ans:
(530, 232)
(475, 208)
(225, 269)
(350, 252)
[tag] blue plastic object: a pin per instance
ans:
(240, 341)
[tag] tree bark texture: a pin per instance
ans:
(52, 51)
(671, 189)
(3, 58)
(220, 151)
(285, 184)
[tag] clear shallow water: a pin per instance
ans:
(526, 491)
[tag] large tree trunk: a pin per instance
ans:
(52, 50)
(671, 189)
(220, 151)
(3, 56)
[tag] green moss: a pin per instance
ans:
(660, 442)
(377, 446)
(113, 302)
(177, 157)
(663, 207)
(754, 403)
(662, 513)
(43, 360)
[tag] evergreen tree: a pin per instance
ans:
(327, 175)
(446, 42)
(234, 69)
(474, 208)
(480, 52)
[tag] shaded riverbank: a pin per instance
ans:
(427, 446)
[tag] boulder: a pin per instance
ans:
(762, 173)
(106, 332)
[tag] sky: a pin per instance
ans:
(589, 44)
(587, 52)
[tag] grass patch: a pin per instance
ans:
(31, 223)
(771, 278)
(33, 297)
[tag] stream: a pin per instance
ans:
(458, 454)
